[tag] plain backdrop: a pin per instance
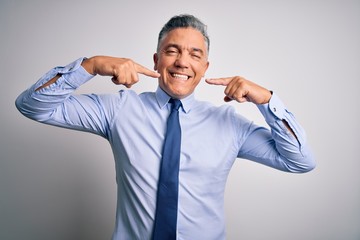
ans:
(60, 184)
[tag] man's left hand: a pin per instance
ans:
(241, 90)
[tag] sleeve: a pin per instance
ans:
(278, 147)
(57, 105)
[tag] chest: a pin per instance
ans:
(208, 140)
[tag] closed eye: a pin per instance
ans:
(171, 50)
(197, 53)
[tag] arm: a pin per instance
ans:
(124, 71)
(242, 90)
(51, 99)
(285, 146)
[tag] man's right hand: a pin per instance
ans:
(123, 71)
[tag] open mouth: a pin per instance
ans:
(180, 76)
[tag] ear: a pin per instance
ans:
(155, 58)
(206, 67)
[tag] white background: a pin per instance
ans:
(60, 184)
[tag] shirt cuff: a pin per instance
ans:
(74, 74)
(274, 110)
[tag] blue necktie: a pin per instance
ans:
(167, 195)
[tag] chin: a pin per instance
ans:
(176, 93)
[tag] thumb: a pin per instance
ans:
(227, 99)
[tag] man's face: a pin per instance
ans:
(181, 61)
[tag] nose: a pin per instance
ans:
(182, 61)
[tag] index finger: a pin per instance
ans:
(219, 81)
(143, 70)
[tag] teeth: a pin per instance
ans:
(182, 77)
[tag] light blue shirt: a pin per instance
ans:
(134, 124)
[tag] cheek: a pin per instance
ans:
(196, 82)
(163, 62)
(201, 69)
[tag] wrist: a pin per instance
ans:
(268, 96)
(88, 65)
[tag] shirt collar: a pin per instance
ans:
(163, 98)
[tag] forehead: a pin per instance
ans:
(184, 37)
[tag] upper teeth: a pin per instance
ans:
(184, 77)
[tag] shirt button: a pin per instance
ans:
(274, 109)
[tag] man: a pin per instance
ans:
(135, 125)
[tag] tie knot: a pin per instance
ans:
(175, 104)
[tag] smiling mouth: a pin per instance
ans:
(180, 76)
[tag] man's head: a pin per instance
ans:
(182, 54)
(184, 21)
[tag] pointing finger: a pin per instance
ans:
(143, 70)
(219, 81)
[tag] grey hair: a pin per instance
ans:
(184, 21)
